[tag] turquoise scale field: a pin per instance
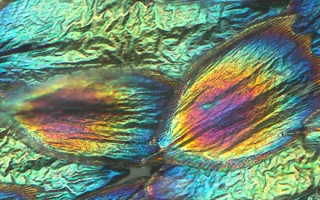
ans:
(160, 99)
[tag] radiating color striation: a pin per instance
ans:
(93, 114)
(241, 104)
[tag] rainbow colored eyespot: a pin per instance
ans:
(93, 115)
(244, 123)
(240, 103)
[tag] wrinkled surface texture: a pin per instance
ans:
(17, 192)
(91, 88)
(243, 105)
(41, 39)
(309, 22)
(130, 190)
(93, 114)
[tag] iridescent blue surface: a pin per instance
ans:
(309, 22)
(12, 195)
(130, 190)
(42, 39)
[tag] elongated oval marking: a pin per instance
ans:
(240, 98)
(98, 114)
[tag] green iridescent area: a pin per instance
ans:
(56, 179)
(291, 173)
(59, 38)
(40, 40)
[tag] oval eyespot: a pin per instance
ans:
(233, 110)
(93, 115)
